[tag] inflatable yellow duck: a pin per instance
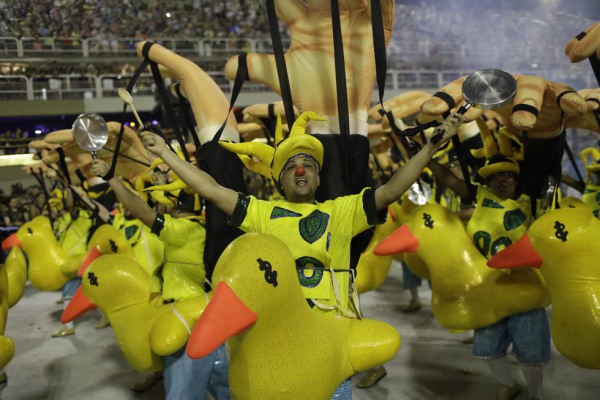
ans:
(16, 270)
(564, 242)
(146, 329)
(273, 334)
(7, 347)
(49, 265)
(465, 293)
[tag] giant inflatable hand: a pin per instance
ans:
(145, 327)
(259, 306)
(545, 101)
(465, 293)
(563, 243)
(590, 120)
(310, 57)
(133, 159)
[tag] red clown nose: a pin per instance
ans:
(300, 171)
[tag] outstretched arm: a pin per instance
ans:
(404, 177)
(449, 180)
(198, 180)
(130, 200)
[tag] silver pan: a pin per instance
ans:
(90, 132)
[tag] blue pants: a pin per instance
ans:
(189, 379)
(529, 333)
(69, 288)
(344, 391)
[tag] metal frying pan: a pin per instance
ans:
(488, 89)
(90, 132)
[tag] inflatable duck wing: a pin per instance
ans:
(465, 293)
(259, 306)
(146, 329)
(7, 347)
(564, 243)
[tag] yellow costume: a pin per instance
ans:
(319, 237)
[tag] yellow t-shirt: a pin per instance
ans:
(318, 236)
(76, 234)
(497, 223)
(183, 271)
(591, 197)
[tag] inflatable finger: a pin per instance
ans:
(584, 44)
(207, 101)
(401, 106)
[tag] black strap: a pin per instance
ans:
(594, 61)
(561, 95)
(241, 75)
(342, 91)
(574, 163)
(446, 98)
(526, 107)
(62, 163)
(189, 121)
(284, 83)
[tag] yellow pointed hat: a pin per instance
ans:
(273, 160)
(594, 164)
(500, 154)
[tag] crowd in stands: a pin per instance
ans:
(132, 18)
(20, 205)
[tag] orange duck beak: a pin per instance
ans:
(91, 256)
(401, 241)
(225, 316)
(519, 254)
(10, 242)
(78, 305)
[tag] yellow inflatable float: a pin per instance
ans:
(260, 309)
(16, 270)
(146, 329)
(564, 243)
(465, 293)
(7, 346)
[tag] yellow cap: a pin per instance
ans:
(499, 163)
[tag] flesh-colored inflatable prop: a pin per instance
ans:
(466, 294)
(133, 157)
(197, 86)
(534, 91)
(589, 120)
(585, 44)
(564, 243)
(259, 308)
(310, 57)
(146, 329)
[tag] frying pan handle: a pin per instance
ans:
(464, 108)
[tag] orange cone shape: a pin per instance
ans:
(225, 316)
(10, 242)
(91, 256)
(401, 241)
(78, 305)
(519, 254)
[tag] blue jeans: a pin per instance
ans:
(409, 279)
(189, 379)
(69, 288)
(529, 333)
(344, 391)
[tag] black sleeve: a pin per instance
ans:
(373, 217)
(158, 225)
(241, 209)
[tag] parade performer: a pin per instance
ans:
(183, 276)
